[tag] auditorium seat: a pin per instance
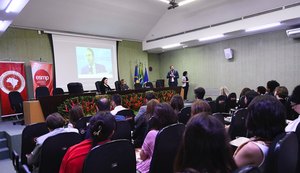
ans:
(160, 83)
(137, 86)
(113, 157)
(75, 88)
(41, 91)
(149, 85)
(118, 85)
(16, 104)
(58, 91)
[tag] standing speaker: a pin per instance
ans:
(228, 53)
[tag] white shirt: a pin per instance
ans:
(117, 109)
(183, 81)
(292, 126)
(40, 140)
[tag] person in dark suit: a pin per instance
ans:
(104, 87)
(173, 76)
(92, 67)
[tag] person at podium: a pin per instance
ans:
(173, 76)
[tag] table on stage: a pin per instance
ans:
(32, 112)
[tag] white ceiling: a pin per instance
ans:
(135, 19)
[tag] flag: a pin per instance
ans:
(12, 78)
(136, 75)
(42, 75)
(146, 78)
(141, 74)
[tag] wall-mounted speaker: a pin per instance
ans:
(228, 53)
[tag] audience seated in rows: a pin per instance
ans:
(101, 127)
(205, 146)
(75, 114)
(142, 125)
(266, 120)
(116, 103)
(261, 90)
(164, 115)
(295, 104)
(199, 106)
(55, 123)
(271, 85)
(148, 96)
(177, 103)
(199, 93)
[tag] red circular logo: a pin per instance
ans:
(42, 78)
(12, 81)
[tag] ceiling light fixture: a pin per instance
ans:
(185, 2)
(171, 46)
(271, 25)
(165, 1)
(4, 25)
(3, 4)
(211, 37)
(15, 6)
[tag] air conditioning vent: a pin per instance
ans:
(293, 33)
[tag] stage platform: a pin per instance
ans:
(13, 134)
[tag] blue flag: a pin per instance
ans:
(136, 74)
(146, 78)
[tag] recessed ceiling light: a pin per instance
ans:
(271, 25)
(171, 46)
(15, 6)
(211, 37)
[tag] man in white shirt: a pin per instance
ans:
(116, 103)
(295, 104)
(55, 123)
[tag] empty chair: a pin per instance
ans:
(148, 85)
(15, 160)
(82, 126)
(29, 134)
(238, 124)
(166, 145)
(184, 115)
(282, 155)
(113, 157)
(137, 86)
(160, 83)
(16, 103)
(58, 91)
(41, 91)
(118, 85)
(123, 131)
(75, 88)
(54, 149)
(98, 86)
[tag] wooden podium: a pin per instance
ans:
(32, 112)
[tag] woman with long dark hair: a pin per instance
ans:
(205, 147)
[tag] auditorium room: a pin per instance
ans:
(149, 86)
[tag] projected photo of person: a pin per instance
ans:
(93, 61)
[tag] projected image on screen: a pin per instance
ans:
(94, 62)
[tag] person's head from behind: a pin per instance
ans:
(243, 92)
(75, 114)
(149, 95)
(177, 103)
(103, 104)
(104, 80)
(249, 96)
(184, 73)
(205, 146)
(261, 90)
(54, 121)
(199, 93)
(151, 107)
(102, 127)
(271, 85)
(164, 115)
(281, 92)
(89, 55)
(295, 99)
(199, 106)
(266, 117)
(116, 100)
